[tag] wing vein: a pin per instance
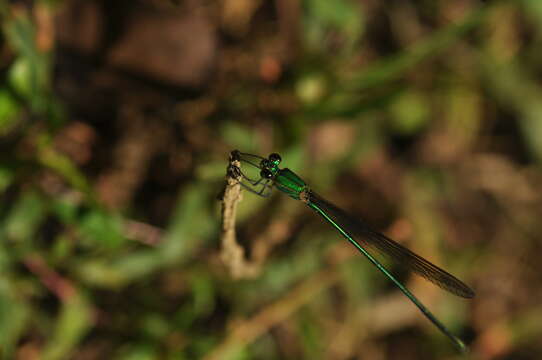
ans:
(382, 244)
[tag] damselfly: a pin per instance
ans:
(356, 231)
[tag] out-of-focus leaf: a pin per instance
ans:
(239, 137)
(6, 177)
(99, 272)
(20, 77)
(342, 17)
(102, 227)
(25, 217)
(56, 161)
(66, 210)
(191, 224)
(138, 264)
(13, 316)
(155, 325)
(62, 248)
(394, 67)
(526, 326)
(360, 279)
(534, 9)
(9, 108)
(514, 86)
(237, 352)
(212, 170)
(463, 117)
(352, 104)
(139, 351)
(310, 336)
(410, 113)
(311, 88)
(21, 34)
(5, 256)
(277, 277)
(203, 291)
(29, 75)
(74, 321)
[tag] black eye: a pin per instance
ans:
(266, 174)
(274, 157)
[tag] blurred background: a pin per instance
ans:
(116, 122)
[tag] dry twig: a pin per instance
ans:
(232, 254)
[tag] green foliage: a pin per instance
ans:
(29, 75)
(322, 16)
(102, 227)
(14, 314)
(410, 114)
(6, 178)
(74, 320)
(9, 109)
(25, 217)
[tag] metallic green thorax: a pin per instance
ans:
(291, 184)
(284, 179)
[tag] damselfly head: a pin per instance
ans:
(275, 158)
(270, 166)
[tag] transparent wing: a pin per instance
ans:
(368, 238)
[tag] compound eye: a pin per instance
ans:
(274, 157)
(266, 174)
